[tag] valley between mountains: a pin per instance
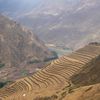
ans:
(49, 49)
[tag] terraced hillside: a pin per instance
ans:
(50, 82)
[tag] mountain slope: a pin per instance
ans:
(54, 81)
(19, 47)
(87, 81)
(74, 22)
(91, 92)
(89, 75)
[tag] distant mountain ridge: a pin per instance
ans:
(74, 22)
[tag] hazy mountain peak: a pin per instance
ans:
(66, 19)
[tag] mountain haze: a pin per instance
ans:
(74, 22)
(49, 49)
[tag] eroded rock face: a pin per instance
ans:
(18, 47)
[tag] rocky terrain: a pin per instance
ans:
(19, 48)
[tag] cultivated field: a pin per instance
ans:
(50, 81)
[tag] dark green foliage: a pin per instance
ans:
(48, 59)
(55, 54)
(2, 65)
(2, 84)
(51, 58)
(24, 72)
(34, 61)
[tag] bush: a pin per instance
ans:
(55, 56)
(34, 61)
(24, 72)
(2, 65)
(2, 84)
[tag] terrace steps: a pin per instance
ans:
(54, 77)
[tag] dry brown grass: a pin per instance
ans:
(52, 79)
